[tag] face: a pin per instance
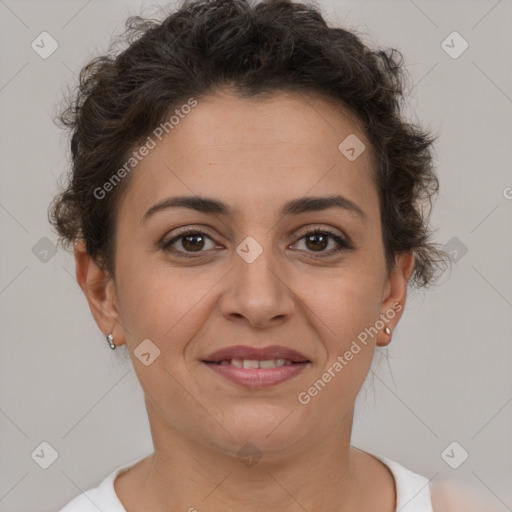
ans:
(272, 269)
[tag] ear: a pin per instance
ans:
(395, 295)
(99, 289)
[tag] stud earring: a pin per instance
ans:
(387, 330)
(110, 340)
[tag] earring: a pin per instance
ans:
(387, 330)
(110, 340)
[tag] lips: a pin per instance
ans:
(242, 352)
(257, 368)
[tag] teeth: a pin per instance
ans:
(269, 363)
(253, 363)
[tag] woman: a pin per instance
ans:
(247, 209)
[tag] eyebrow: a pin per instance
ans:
(297, 206)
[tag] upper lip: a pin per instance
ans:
(255, 353)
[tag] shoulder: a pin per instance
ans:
(416, 493)
(99, 498)
(413, 491)
(453, 496)
(84, 503)
(103, 497)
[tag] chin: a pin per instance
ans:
(262, 430)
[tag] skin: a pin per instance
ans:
(254, 155)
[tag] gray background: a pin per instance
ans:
(449, 374)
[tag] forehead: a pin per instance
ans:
(256, 153)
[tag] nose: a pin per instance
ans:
(258, 292)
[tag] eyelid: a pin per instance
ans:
(319, 228)
(343, 242)
(166, 243)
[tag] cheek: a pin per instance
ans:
(344, 303)
(162, 303)
(343, 319)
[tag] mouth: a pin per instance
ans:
(256, 368)
(253, 364)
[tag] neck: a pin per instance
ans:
(184, 474)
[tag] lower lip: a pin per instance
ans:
(256, 378)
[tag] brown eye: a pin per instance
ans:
(194, 242)
(187, 242)
(317, 240)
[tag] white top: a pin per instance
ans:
(412, 491)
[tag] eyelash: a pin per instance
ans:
(343, 245)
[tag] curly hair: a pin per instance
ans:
(256, 48)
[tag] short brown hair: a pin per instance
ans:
(255, 47)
